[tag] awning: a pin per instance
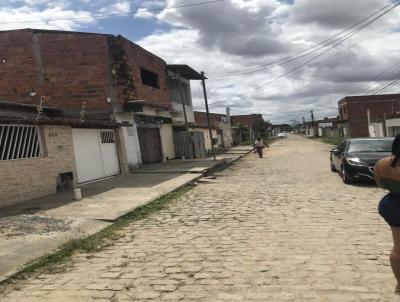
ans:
(185, 71)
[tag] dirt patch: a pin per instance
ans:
(21, 225)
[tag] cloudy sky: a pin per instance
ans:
(262, 51)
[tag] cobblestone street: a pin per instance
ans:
(281, 228)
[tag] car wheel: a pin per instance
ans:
(344, 175)
(333, 169)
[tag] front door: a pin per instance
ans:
(95, 154)
(150, 145)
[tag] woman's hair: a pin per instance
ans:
(396, 151)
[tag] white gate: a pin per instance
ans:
(95, 154)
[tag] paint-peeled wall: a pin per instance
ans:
(207, 139)
(130, 141)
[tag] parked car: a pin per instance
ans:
(282, 135)
(355, 159)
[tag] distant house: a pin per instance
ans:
(328, 127)
(364, 116)
(221, 129)
(254, 122)
(393, 124)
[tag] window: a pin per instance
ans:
(19, 142)
(107, 137)
(149, 78)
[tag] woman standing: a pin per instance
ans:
(387, 176)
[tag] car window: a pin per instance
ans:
(371, 146)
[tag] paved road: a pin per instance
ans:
(281, 228)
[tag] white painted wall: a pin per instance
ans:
(167, 141)
(178, 116)
(131, 139)
(393, 126)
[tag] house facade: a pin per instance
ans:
(364, 116)
(254, 123)
(221, 129)
(393, 124)
(41, 154)
(108, 77)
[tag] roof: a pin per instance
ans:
(49, 31)
(185, 71)
(20, 113)
(27, 107)
(363, 98)
(30, 120)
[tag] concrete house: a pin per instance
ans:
(41, 154)
(393, 124)
(108, 77)
(189, 140)
(221, 129)
(364, 116)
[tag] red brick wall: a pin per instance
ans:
(137, 58)
(201, 119)
(357, 111)
(17, 66)
(77, 67)
(250, 120)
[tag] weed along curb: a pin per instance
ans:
(96, 242)
(59, 259)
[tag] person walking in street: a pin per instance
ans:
(387, 176)
(259, 145)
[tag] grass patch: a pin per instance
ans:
(59, 260)
(331, 140)
(328, 140)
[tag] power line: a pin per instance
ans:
(346, 37)
(118, 14)
(300, 54)
(380, 77)
(388, 85)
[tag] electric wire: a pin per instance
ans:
(346, 37)
(299, 55)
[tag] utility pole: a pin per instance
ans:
(203, 80)
(312, 122)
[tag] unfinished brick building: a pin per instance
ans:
(364, 116)
(97, 76)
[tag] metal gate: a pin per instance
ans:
(95, 154)
(150, 145)
(189, 145)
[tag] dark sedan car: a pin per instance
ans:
(355, 159)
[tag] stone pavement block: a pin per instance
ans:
(282, 228)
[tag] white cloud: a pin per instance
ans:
(120, 7)
(238, 35)
(51, 17)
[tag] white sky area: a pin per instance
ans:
(242, 35)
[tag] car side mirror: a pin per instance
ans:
(335, 151)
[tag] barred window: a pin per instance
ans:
(19, 142)
(107, 137)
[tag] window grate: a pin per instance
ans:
(19, 142)
(107, 137)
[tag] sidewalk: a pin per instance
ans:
(38, 227)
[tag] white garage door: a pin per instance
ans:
(95, 154)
